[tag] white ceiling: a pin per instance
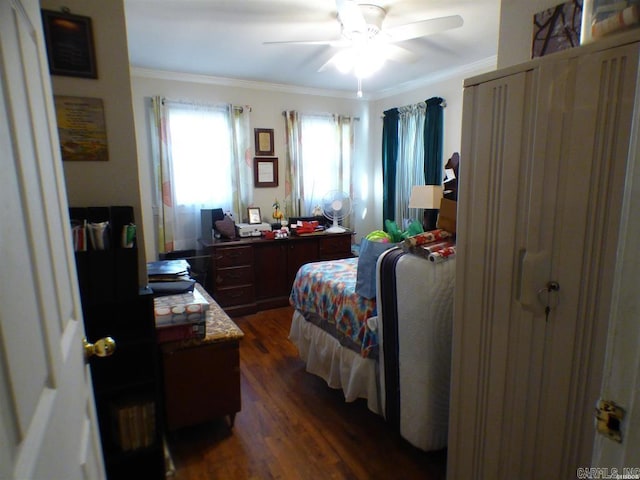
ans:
(224, 38)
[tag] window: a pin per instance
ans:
(201, 156)
(199, 159)
(321, 156)
(412, 138)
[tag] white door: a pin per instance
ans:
(47, 416)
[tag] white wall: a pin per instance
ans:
(114, 182)
(267, 103)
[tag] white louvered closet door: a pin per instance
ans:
(542, 175)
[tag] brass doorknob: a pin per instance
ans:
(102, 348)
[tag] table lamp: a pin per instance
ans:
(427, 197)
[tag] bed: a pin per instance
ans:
(330, 329)
(370, 347)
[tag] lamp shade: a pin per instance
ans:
(425, 196)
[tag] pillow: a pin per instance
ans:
(369, 253)
(226, 227)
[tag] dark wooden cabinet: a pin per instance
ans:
(298, 253)
(126, 385)
(201, 382)
(256, 274)
(271, 270)
(233, 277)
(202, 375)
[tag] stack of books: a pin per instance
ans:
(170, 277)
(181, 316)
(134, 424)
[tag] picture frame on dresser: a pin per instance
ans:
(254, 216)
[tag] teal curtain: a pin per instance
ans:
(389, 160)
(433, 139)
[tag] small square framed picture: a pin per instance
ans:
(254, 215)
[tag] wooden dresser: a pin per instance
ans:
(253, 274)
(202, 376)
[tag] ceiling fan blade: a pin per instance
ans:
(350, 16)
(328, 63)
(338, 42)
(423, 28)
(399, 54)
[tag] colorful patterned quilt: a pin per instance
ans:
(328, 290)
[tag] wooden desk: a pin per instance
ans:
(252, 274)
(202, 376)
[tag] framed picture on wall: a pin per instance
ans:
(69, 41)
(264, 141)
(82, 128)
(556, 28)
(265, 172)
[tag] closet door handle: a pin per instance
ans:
(534, 275)
(548, 297)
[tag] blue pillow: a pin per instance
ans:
(369, 253)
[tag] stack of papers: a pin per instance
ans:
(170, 276)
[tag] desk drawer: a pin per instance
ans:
(227, 297)
(230, 277)
(335, 247)
(232, 256)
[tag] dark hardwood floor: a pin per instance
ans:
(292, 425)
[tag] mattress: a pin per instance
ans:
(414, 324)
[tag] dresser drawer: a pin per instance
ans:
(234, 295)
(335, 247)
(233, 276)
(232, 256)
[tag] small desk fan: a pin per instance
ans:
(336, 205)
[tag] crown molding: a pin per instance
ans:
(235, 82)
(480, 66)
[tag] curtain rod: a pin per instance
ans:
(325, 114)
(443, 104)
(239, 108)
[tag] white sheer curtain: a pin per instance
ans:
(410, 167)
(320, 159)
(200, 158)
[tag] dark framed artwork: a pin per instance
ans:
(265, 172)
(556, 28)
(69, 40)
(264, 141)
(253, 213)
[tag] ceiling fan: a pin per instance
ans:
(365, 42)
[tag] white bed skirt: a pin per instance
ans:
(337, 365)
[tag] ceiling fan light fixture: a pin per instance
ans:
(345, 60)
(367, 62)
(363, 60)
